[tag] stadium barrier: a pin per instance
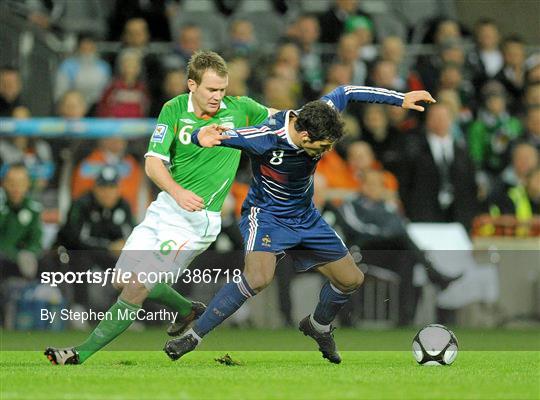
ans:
(84, 128)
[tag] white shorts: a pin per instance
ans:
(167, 240)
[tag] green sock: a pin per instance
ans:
(166, 295)
(121, 316)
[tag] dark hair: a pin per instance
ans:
(205, 60)
(9, 68)
(320, 120)
(90, 36)
(15, 165)
(493, 88)
(485, 21)
(513, 38)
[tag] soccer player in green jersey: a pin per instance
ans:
(185, 218)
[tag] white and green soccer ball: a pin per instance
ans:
(435, 345)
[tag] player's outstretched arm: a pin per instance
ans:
(342, 95)
(253, 139)
(411, 98)
(211, 135)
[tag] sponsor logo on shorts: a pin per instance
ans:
(266, 241)
(159, 133)
(167, 246)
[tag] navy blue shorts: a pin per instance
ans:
(309, 240)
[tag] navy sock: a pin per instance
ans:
(331, 300)
(229, 299)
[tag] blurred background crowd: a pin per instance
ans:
(472, 158)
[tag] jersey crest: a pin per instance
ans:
(159, 133)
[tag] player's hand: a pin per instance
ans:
(411, 98)
(188, 200)
(211, 135)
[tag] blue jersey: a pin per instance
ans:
(282, 172)
(339, 97)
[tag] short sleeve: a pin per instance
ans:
(257, 113)
(163, 135)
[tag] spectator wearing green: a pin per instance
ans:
(492, 132)
(20, 225)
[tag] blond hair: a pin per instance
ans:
(202, 61)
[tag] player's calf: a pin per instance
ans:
(134, 291)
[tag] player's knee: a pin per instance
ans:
(356, 279)
(121, 278)
(258, 281)
(118, 286)
(351, 281)
(259, 271)
(134, 291)
(359, 278)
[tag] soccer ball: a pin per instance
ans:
(435, 345)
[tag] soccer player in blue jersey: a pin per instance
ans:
(278, 214)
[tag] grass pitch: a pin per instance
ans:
(275, 365)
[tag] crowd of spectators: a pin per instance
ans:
(474, 153)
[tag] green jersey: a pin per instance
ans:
(20, 227)
(209, 173)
